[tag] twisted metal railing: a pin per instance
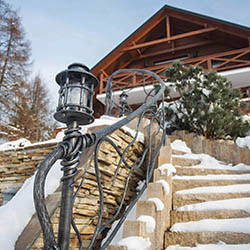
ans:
(75, 145)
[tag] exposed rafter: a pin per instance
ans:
(171, 38)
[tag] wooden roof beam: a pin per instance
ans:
(223, 26)
(178, 48)
(172, 38)
(133, 38)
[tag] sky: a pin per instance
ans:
(62, 32)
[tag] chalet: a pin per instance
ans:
(175, 34)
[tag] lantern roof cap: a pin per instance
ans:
(76, 68)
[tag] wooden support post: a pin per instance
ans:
(209, 64)
(101, 83)
(138, 50)
(168, 27)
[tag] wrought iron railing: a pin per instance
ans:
(76, 145)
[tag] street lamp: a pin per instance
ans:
(75, 107)
(123, 102)
(76, 95)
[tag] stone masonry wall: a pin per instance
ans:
(18, 165)
(86, 207)
(223, 150)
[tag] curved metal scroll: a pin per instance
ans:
(75, 143)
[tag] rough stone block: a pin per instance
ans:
(165, 153)
(145, 208)
(155, 190)
(188, 138)
(134, 228)
(197, 144)
(244, 155)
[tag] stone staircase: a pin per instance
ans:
(197, 214)
(200, 201)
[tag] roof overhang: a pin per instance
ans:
(239, 78)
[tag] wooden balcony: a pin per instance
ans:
(223, 61)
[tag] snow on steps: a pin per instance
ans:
(189, 198)
(206, 200)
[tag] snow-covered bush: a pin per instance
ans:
(207, 104)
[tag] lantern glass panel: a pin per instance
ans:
(84, 99)
(74, 95)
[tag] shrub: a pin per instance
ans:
(207, 104)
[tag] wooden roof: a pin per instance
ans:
(176, 34)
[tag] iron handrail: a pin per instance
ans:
(75, 144)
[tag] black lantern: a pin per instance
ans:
(123, 102)
(123, 99)
(76, 93)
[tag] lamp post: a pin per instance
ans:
(123, 102)
(75, 107)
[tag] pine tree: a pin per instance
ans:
(207, 104)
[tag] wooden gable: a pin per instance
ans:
(175, 34)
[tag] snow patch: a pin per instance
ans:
(239, 225)
(180, 145)
(135, 243)
(15, 144)
(239, 203)
(158, 203)
(169, 167)
(165, 186)
(150, 222)
(240, 188)
(243, 142)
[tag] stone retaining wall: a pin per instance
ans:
(18, 165)
(223, 150)
(86, 207)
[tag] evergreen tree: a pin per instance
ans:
(207, 104)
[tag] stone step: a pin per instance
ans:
(186, 216)
(178, 152)
(220, 246)
(205, 171)
(180, 200)
(182, 184)
(191, 239)
(111, 247)
(180, 161)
